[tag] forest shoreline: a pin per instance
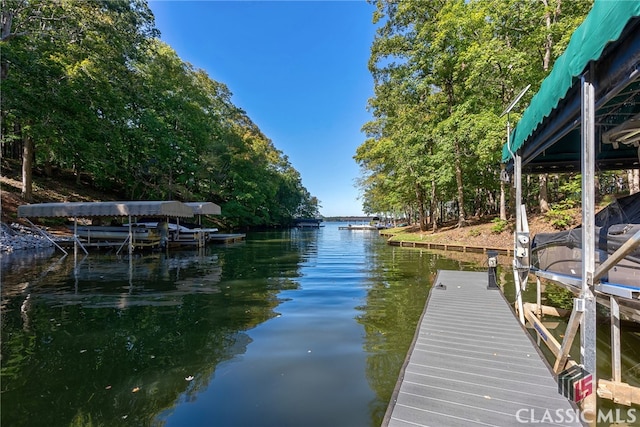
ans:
(480, 232)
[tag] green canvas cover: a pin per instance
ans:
(604, 24)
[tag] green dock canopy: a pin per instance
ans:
(553, 114)
(95, 209)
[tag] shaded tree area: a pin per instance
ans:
(444, 72)
(89, 87)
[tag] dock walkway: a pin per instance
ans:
(472, 363)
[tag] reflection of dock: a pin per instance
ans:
(473, 364)
(227, 238)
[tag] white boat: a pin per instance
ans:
(112, 234)
(180, 234)
(374, 224)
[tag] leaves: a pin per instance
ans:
(444, 71)
(99, 94)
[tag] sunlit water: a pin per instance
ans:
(295, 328)
(286, 329)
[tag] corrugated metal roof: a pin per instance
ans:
(204, 208)
(553, 111)
(93, 209)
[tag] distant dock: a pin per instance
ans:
(473, 364)
(359, 227)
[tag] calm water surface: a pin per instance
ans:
(286, 329)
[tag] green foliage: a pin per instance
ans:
(560, 214)
(499, 225)
(570, 190)
(559, 297)
(474, 232)
(100, 95)
(443, 74)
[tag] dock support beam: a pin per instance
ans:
(588, 329)
(572, 329)
(517, 270)
(616, 369)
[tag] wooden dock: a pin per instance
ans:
(472, 363)
(449, 247)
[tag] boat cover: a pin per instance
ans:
(95, 209)
(204, 208)
(615, 224)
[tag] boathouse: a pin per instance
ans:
(584, 118)
(126, 209)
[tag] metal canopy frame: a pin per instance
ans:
(128, 209)
(554, 146)
(204, 208)
(602, 97)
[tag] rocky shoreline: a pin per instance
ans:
(16, 237)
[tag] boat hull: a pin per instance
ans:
(117, 234)
(562, 253)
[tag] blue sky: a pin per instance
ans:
(299, 70)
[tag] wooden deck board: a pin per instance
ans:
(472, 363)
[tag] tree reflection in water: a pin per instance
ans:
(164, 340)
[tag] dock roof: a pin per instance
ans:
(115, 208)
(608, 44)
(204, 208)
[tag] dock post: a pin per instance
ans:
(588, 324)
(492, 262)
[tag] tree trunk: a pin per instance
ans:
(5, 32)
(458, 166)
(503, 201)
(633, 176)
(48, 168)
(548, 43)
(434, 206)
(543, 200)
(422, 215)
(544, 197)
(27, 168)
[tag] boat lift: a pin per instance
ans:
(593, 91)
(130, 209)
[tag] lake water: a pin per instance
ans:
(285, 329)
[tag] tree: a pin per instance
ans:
(59, 65)
(443, 73)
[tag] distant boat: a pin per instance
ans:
(306, 223)
(360, 227)
(375, 224)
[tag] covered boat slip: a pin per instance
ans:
(130, 235)
(615, 225)
(584, 118)
(474, 364)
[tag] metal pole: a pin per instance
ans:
(517, 173)
(45, 235)
(616, 369)
(130, 238)
(517, 182)
(75, 241)
(628, 247)
(588, 329)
